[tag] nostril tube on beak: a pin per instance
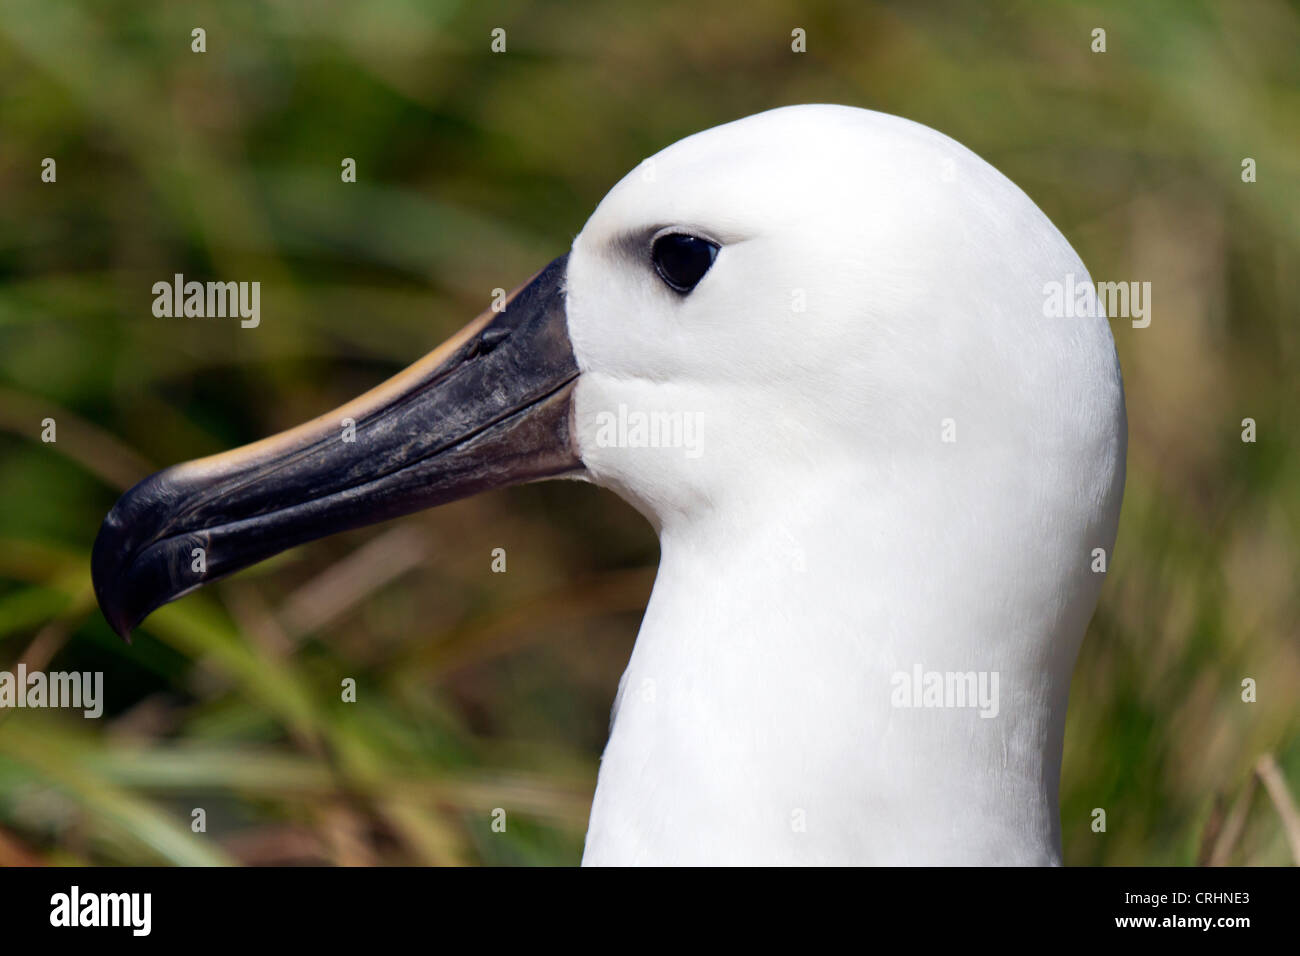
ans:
(491, 338)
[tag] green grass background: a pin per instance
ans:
(479, 690)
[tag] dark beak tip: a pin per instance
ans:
(490, 409)
(125, 585)
(106, 567)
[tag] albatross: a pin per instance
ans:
(879, 552)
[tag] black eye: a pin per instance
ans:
(682, 260)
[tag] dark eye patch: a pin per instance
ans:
(682, 259)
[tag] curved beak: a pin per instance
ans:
(488, 408)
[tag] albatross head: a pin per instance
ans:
(810, 346)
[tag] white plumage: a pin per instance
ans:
(879, 289)
(811, 347)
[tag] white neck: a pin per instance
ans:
(759, 719)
